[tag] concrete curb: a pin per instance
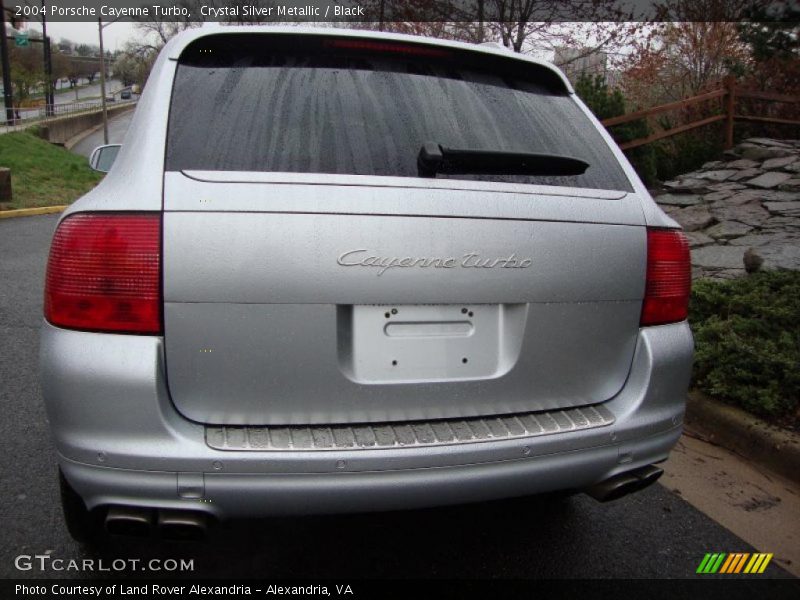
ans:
(776, 449)
(30, 212)
(71, 142)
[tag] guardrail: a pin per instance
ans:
(29, 117)
(728, 93)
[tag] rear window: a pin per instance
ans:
(307, 104)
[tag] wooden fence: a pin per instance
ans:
(728, 93)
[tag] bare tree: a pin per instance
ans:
(685, 55)
(520, 25)
(157, 31)
(546, 24)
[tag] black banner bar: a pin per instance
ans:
(354, 11)
(708, 589)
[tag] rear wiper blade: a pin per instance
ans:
(434, 158)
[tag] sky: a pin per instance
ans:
(85, 32)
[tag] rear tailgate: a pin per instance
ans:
(260, 324)
(310, 275)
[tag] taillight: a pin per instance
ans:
(669, 277)
(103, 273)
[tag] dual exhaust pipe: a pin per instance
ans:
(187, 525)
(624, 483)
(169, 524)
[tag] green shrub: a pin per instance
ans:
(687, 152)
(747, 336)
(606, 103)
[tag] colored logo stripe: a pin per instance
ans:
(736, 562)
(727, 564)
(703, 563)
(711, 563)
(742, 558)
(758, 563)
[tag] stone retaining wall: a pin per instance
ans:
(741, 214)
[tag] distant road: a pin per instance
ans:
(117, 126)
(67, 96)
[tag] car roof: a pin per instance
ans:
(176, 45)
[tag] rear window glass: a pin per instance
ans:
(308, 104)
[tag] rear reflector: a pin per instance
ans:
(103, 273)
(669, 278)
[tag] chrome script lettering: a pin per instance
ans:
(362, 257)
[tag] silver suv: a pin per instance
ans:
(338, 271)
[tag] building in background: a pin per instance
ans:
(584, 61)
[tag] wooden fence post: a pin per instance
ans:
(730, 99)
(5, 185)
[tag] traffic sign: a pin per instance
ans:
(21, 40)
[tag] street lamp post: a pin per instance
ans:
(7, 99)
(100, 27)
(103, 81)
(49, 95)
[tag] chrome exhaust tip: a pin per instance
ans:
(182, 525)
(625, 483)
(129, 521)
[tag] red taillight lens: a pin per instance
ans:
(669, 277)
(103, 273)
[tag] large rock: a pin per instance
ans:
(743, 197)
(742, 163)
(720, 175)
(768, 142)
(698, 239)
(678, 199)
(725, 186)
(778, 196)
(777, 163)
(719, 257)
(769, 180)
(728, 230)
(694, 218)
(751, 214)
(712, 165)
(745, 174)
(784, 209)
(764, 239)
(754, 152)
(790, 185)
(687, 185)
(781, 224)
(717, 196)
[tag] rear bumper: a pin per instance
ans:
(120, 441)
(228, 495)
